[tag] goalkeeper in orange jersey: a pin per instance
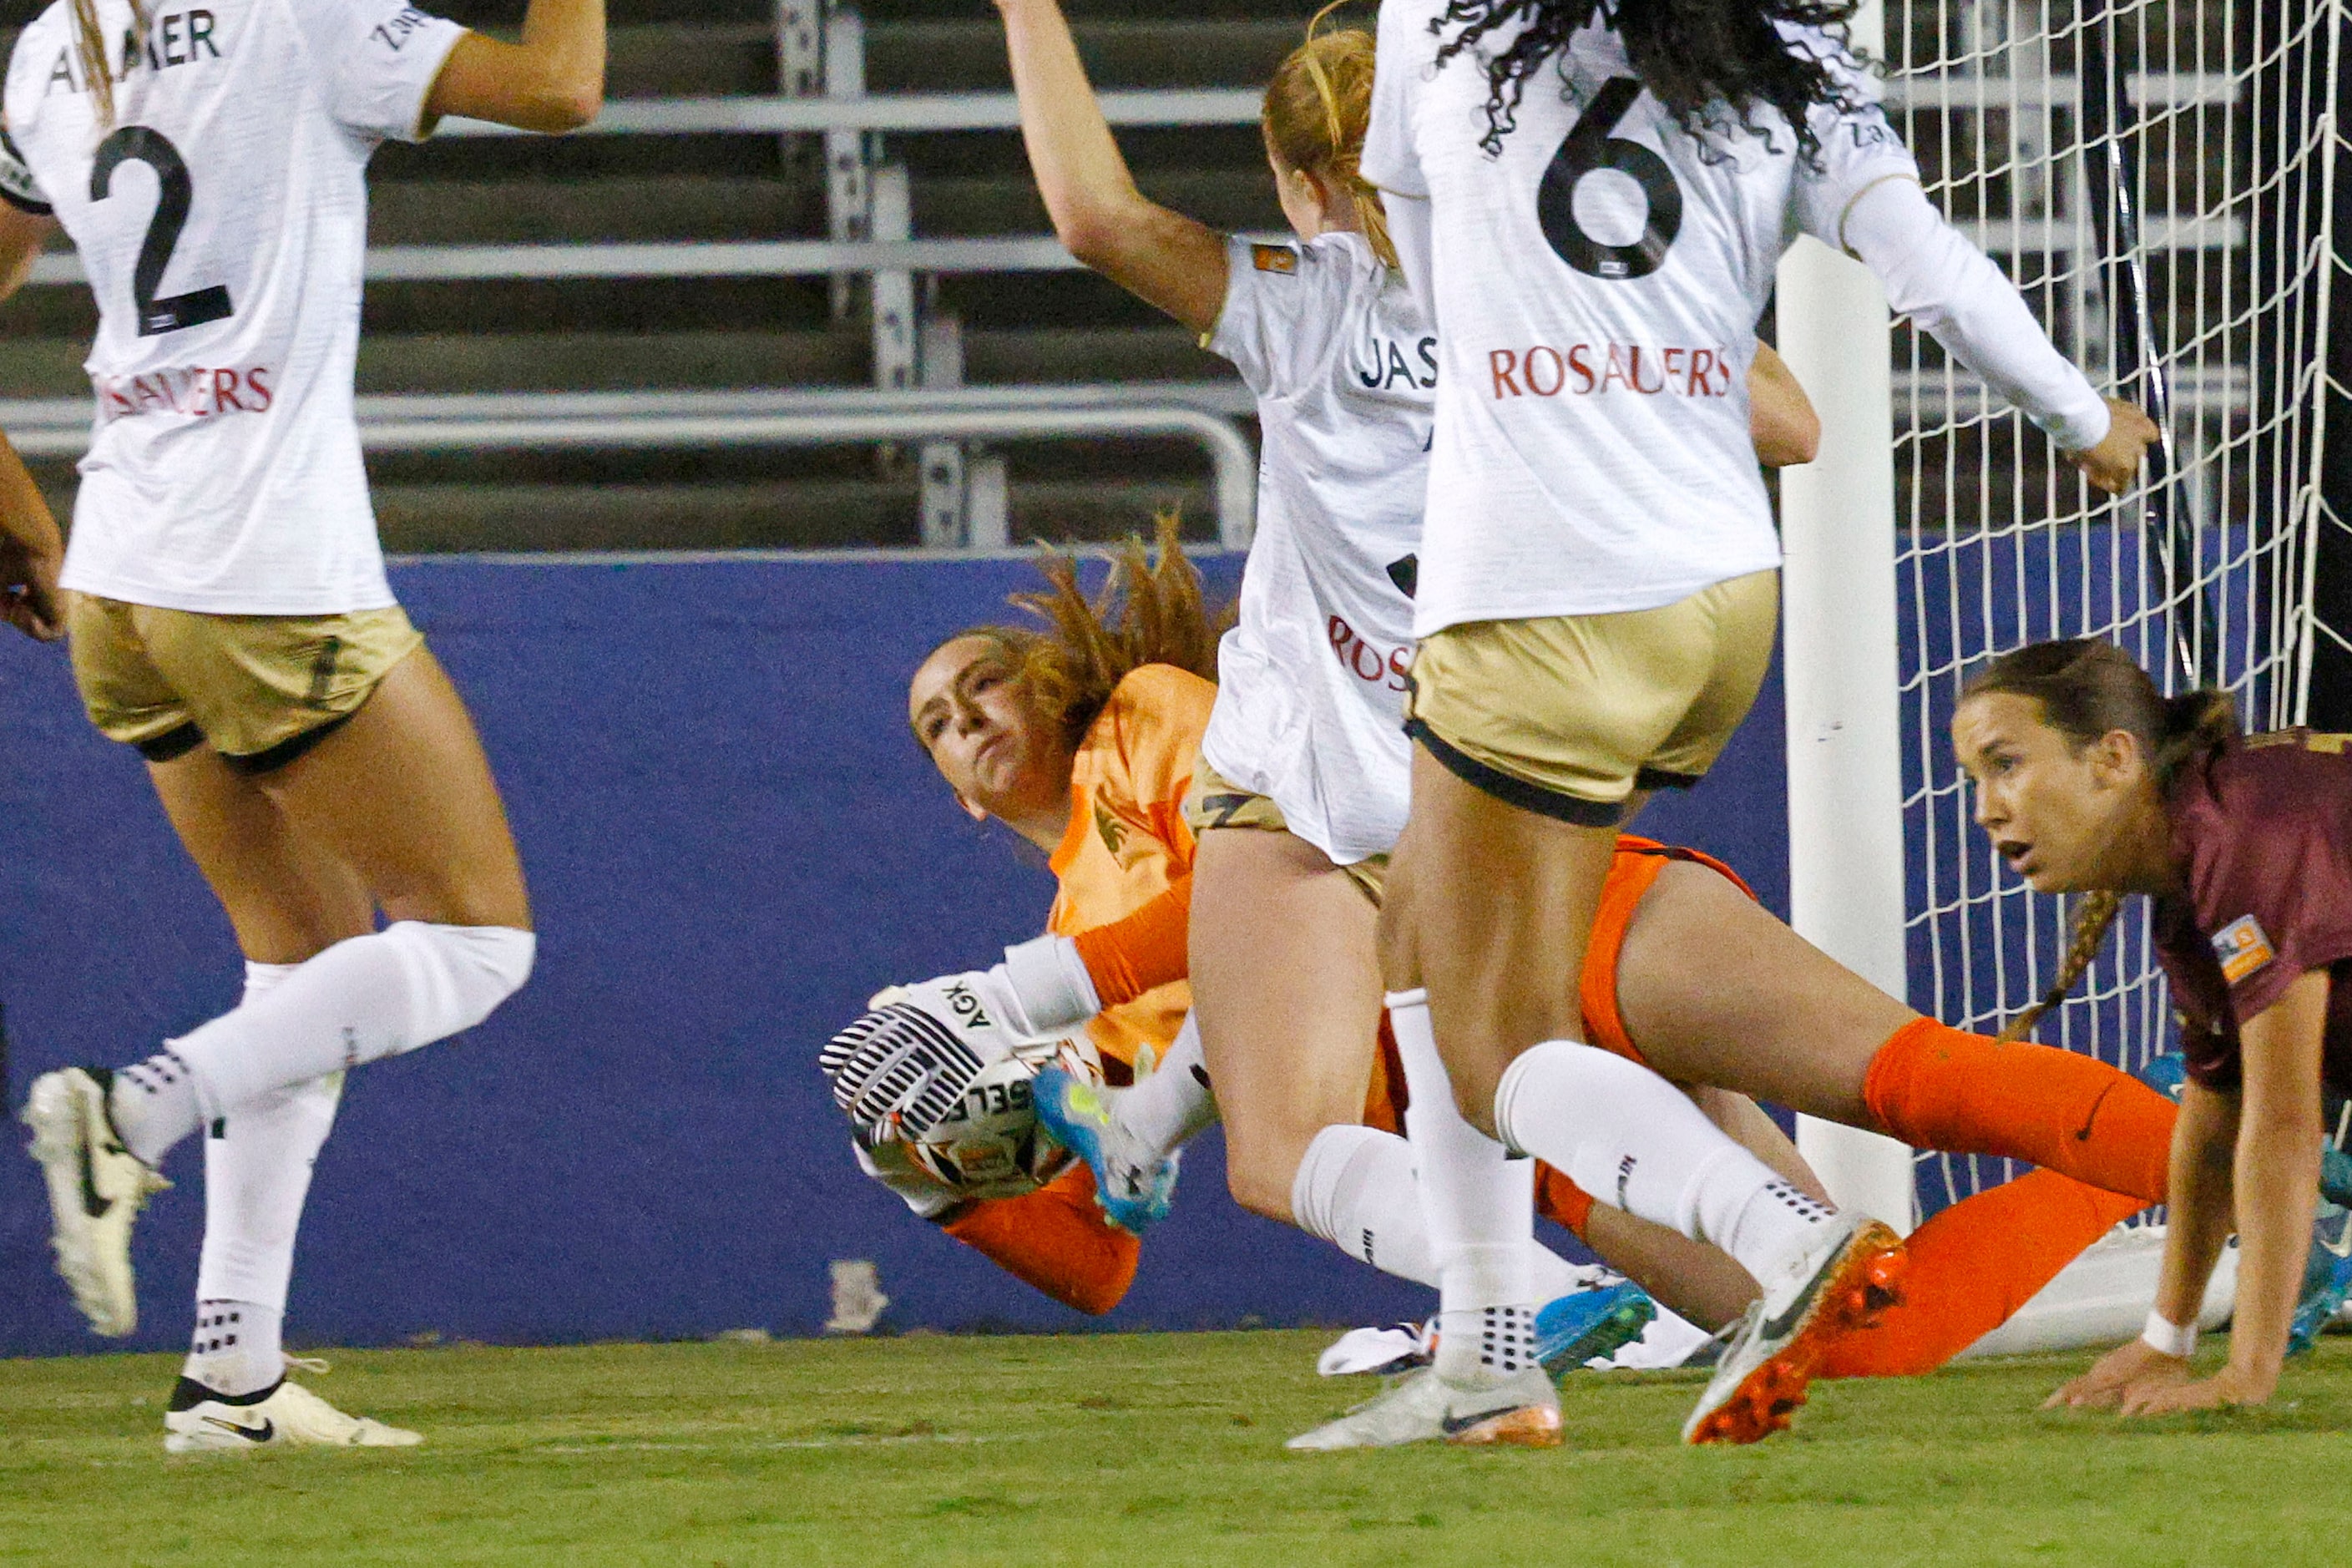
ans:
(1083, 737)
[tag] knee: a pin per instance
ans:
(1474, 1096)
(1259, 1183)
(472, 969)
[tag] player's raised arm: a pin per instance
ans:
(552, 82)
(1953, 290)
(1161, 256)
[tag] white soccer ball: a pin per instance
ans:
(990, 1145)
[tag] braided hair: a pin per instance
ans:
(2086, 689)
(1697, 58)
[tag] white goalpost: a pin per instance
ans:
(2156, 176)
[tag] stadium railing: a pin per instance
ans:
(1197, 412)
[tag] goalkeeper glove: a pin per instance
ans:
(889, 1161)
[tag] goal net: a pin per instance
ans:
(2155, 177)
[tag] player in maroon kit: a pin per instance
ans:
(2090, 781)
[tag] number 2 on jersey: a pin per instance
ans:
(1590, 147)
(136, 144)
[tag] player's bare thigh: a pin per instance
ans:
(1715, 991)
(403, 794)
(1490, 907)
(1286, 989)
(287, 896)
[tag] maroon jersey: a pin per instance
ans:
(2262, 830)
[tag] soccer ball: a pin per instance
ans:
(990, 1145)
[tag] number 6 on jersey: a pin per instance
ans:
(1590, 147)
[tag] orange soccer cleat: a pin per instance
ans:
(1841, 1285)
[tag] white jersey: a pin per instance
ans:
(1597, 286)
(1310, 684)
(221, 221)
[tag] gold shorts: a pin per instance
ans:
(1569, 715)
(262, 689)
(1215, 801)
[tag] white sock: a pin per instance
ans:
(370, 997)
(1480, 1208)
(1172, 1102)
(1635, 1141)
(1356, 1189)
(237, 1349)
(257, 1173)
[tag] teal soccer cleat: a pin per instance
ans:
(1134, 1183)
(1588, 1325)
(2326, 1278)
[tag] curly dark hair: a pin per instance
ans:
(1695, 56)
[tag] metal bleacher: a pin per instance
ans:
(793, 288)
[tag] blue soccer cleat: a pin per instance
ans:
(1587, 1325)
(2326, 1278)
(2164, 1074)
(2335, 1175)
(1134, 1183)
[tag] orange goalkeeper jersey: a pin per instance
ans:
(1128, 855)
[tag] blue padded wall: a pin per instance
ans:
(731, 841)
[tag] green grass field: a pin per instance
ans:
(1156, 1451)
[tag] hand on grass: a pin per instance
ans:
(2228, 1386)
(2129, 1371)
(2113, 463)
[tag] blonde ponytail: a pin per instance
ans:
(1317, 108)
(89, 48)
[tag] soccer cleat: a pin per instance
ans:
(1856, 1272)
(2326, 1278)
(2335, 1175)
(1134, 1183)
(1591, 1324)
(1383, 1352)
(2165, 1074)
(1520, 1412)
(97, 1188)
(283, 1415)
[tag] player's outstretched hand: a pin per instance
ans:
(2228, 1386)
(30, 555)
(2113, 463)
(2129, 1370)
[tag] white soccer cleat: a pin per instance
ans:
(1842, 1283)
(97, 1188)
(288, 1415)
(1520, 1412)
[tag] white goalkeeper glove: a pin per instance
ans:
(889, 1163)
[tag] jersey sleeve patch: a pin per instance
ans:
(17, 186)
(1274, 258)
(2244, 948)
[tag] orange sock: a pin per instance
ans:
(1939, 1088)
(1561, 1200)
(1975, 1264)
(1056, 1239)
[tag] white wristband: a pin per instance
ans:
(2165, 1337)
(1050, 985)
